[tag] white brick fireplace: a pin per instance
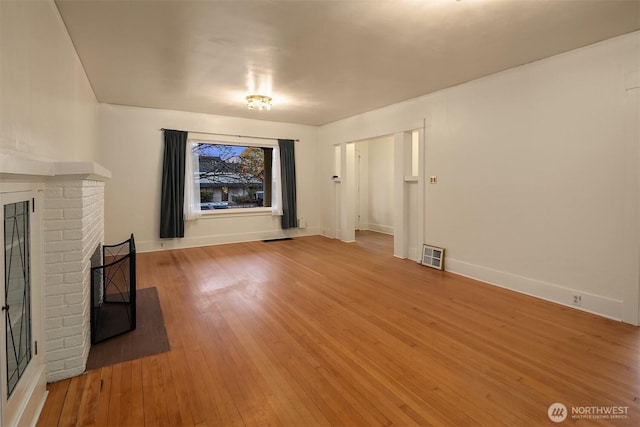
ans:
(70, 204)
(73, 228)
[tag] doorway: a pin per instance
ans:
(374, 185)
(382, 190)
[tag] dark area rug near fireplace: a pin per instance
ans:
(149, 337)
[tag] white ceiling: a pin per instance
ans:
(320, 60)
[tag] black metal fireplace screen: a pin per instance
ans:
(113, 290)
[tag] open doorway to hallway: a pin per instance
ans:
(388, 192)
(380, 188)
(374, 185)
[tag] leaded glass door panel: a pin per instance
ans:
(22, 374)
(17, 292)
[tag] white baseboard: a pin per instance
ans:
(36, 393)
(221, 239)
(592, 303)
(380, 228)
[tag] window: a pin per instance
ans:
(233, 176)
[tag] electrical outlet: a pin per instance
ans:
(577, 300)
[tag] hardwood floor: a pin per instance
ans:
(313, 331)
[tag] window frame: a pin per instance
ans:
(221, 140)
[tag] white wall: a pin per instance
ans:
(47, 108)
(380, 185)
(132, 148)
(538, 175)
(48, 114)
(362, 153)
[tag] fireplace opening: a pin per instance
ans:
(113, 290)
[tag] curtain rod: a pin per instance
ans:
(228, 134)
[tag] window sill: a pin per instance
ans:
(237, 212)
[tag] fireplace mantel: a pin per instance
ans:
(82, 170)
(19, 168)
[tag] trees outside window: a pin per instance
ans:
(233, 176)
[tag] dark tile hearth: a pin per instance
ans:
(149, 337)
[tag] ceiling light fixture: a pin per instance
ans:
(261, 102)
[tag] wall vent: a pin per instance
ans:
(433, 256)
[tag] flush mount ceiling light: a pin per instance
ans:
(261, 102)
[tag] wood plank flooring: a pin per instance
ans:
(313, 331)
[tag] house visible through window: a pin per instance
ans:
(234, 176)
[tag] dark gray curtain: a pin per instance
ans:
(268, 176)
(288, 178)
(172, 198)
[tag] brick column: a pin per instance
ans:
(74, 226)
